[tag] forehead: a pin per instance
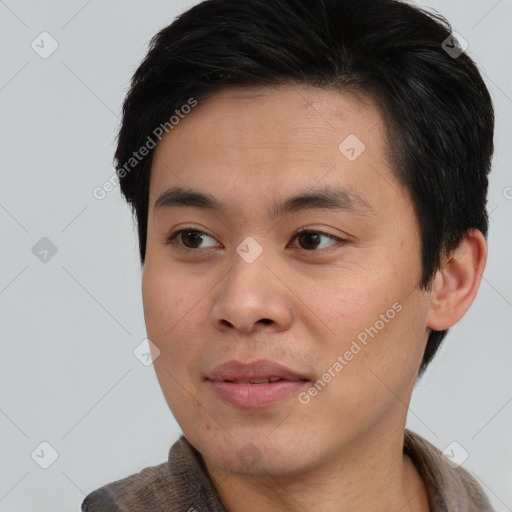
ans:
(287, 114)
(266, 141)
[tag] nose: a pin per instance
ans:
(252, 296)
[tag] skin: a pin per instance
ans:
(296, 304)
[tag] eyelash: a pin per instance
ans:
(172, 238)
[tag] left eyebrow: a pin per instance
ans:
(331, 198)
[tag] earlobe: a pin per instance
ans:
(456, 284)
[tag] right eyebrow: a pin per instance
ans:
(179, 196)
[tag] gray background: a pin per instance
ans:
(70, 324)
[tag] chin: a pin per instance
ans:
(254, 452)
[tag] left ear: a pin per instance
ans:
(455, 285)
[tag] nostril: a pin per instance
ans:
(265, 321)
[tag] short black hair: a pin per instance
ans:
(438, 111)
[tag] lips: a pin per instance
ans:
(261, 371)
(253, 385)
(257, 381)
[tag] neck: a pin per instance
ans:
(373, 474)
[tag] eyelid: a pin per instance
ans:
(300, 231)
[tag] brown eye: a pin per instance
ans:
(312, 240)
(309, 240)
(191, 239)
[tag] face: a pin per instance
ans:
(305, 252)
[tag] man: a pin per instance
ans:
(309, 179)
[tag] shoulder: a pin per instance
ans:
(450, 486)
(138, 491)
(181, 484)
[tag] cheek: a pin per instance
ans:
(169, 300)
(165, 314)
(382, 355)
(375, 322)
(345, 302)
